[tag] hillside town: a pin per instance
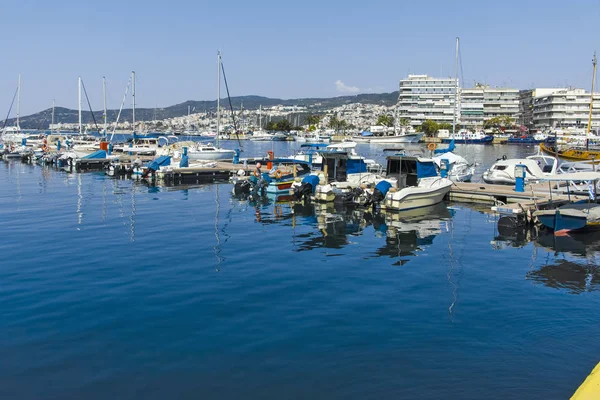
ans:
(440, 102)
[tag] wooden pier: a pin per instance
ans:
(505, 200)
(218, 171)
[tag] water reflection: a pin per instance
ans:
(334, 225)
(572, 276)
(571, 261)
(408, 232)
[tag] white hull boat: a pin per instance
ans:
(210, 153)
(428, 192)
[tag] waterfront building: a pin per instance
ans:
(565, 108)
(525, 114)
(422, 97)
(482, 102)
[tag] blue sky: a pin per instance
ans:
(285, 49)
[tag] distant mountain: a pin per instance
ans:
(41, 120)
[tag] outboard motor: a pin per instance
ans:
(379, 193)
(242, 187)
(352, 195)
(306, 188)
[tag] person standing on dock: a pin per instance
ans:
(257, 172)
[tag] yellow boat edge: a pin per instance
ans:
(590, 388)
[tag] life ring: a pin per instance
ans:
(278, 174)
(431, 146)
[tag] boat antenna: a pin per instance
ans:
(9, 110)
(594, 63)
(89, 105)
(231, 106)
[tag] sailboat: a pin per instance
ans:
(206, 151)
(13, 134)
(578, 153)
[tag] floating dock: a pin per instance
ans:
(505, 199)
(214, 172)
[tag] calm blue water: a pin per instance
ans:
(112, 289)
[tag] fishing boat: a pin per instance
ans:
(573, 216)
(531, 139)
(571, 153)
(346, 175)
(537, 167)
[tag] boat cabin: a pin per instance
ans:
(409, 169)
(338, 164)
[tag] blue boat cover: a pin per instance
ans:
(450, 147)
(266, 177)
(426, 169)
(366, 133)
(313, 180)
(159, 162)
(383, 187)
(96, 154)
(184, 161)
(355, 166)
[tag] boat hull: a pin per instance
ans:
(417, 197)
(410, 138)
(211, 156)
(486, 140)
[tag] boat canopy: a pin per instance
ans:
(426, 169)
(366, 133)
(451, 157)
(97, 154)
(161, 161)
(573, 176)
(355, 166)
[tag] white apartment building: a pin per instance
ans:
(565, 108)
(422, 97)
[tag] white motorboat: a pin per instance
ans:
(418, 183)
(459, 168)
(208, 152)
(261, 136)
(402, 137)
(537, 167)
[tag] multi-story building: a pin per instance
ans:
(481, 103)
(565, 108)
(525, 115)
(422, 97)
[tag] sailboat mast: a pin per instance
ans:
(79, 96)
(218, 94)
(260, 117)
(594, 63)
(455, 90)
(104, 94)
(53, 105)
(133, 98)
(19, 103)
